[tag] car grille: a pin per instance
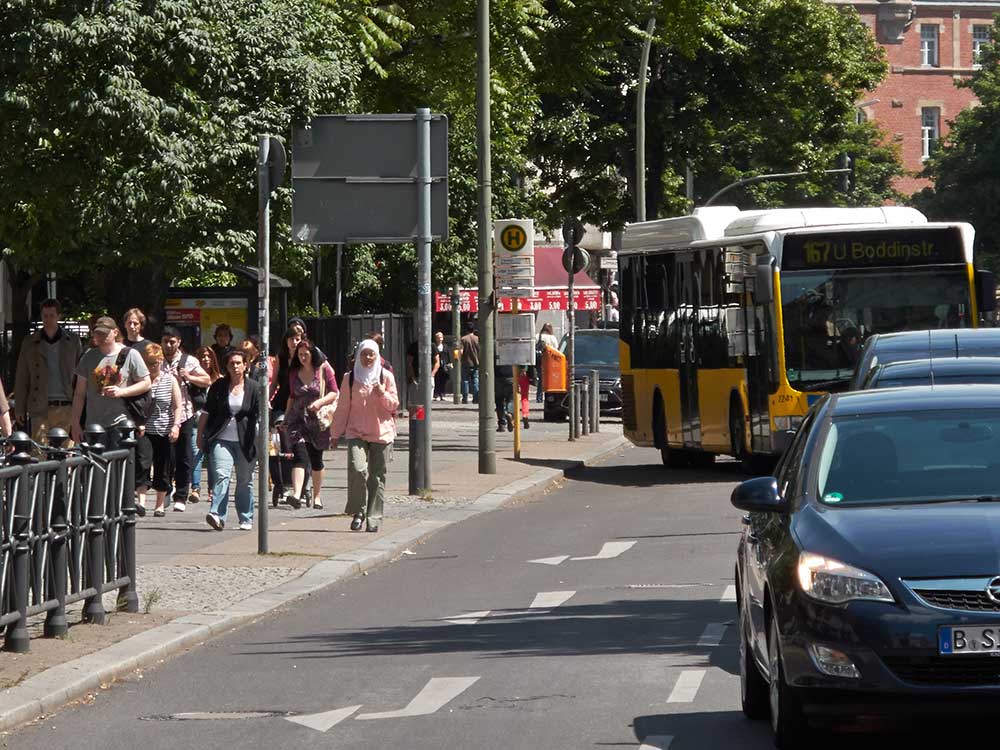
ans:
(973, 601)
(946, 670)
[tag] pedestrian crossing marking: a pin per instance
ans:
(469, 618)
(609, 551)
(729, 595)
(551, 560)
(713, 634)
(656, 742)
(550, 599)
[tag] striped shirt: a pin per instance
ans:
(161, 417)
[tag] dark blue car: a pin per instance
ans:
(868, 571)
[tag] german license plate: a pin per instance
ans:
(605, 397)
(955, 640)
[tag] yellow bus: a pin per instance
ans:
(734, 322)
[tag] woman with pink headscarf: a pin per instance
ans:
(366, 415)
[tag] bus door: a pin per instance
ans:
(690, 417)
(759, 374)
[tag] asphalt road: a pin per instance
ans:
(468, 644)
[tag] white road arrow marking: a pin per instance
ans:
(713, 634)
(469, 618)
(551, 560)
(436, 694)
(656, 742)
(325, 721)
(550, 599)
(729, 595)
(609, 551)
(687, 686)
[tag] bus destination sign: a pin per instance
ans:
(873, 248)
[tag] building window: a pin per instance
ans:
(930, 130)
(929, 45)
(980, 36)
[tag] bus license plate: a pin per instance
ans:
(955, 640)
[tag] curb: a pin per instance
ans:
(59, 685)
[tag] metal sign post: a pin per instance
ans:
(270, 173)
(424, 239)
(455, 354)
(574, 260)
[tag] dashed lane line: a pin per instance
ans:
(550, 599)
(729, 595)
(436, 694)
(687, 686)
(656, 742)
(713, 634)
(609, 551)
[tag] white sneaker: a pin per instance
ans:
(179, 507)
(246, 526)
(214, 521)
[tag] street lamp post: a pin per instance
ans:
(640, 124)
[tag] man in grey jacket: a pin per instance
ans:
(43, 385)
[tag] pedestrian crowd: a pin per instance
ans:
(193, 412)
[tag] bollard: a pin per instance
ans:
(584, 407)
(55, 619)
(575, 416)
(595, 392)
(16, 638)
(93, 609)
(128, 599)
(416, 464)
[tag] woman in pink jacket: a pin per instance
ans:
(366, 414)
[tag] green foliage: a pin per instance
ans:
(963, 166)
(765, 86)
(130, 126)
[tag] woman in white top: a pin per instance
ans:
(227, 432)
(163, 424)
(545, 338)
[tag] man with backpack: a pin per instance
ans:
(194, 382)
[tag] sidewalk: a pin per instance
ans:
(194, 582)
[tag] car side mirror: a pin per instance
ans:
(759, 495)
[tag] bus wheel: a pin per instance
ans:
(671, 457)
(701, 460)
(737, 436)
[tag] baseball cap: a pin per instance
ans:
(104, 324)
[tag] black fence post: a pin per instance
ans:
(93, 610)
(128, 599)
(16, 638)
(55, 619)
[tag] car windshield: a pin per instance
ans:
(888, 381)
(594, 348)
(827, 315)
(897, 458)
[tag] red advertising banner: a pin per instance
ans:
(588, 298)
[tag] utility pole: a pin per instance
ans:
(340, 252)
(640, 124)
(487, 444)
(424, 239)
(456, 334)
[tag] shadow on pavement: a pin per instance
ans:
(654, 475)
(637, 626)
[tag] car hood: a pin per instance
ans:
(917, 541)
(607, 372)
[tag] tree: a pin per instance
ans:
(130, 130)
(963, 165)
(766, 86)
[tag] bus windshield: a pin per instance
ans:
(828, 314)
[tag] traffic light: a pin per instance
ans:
(847, 179)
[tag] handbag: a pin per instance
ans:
(324, 417)
(138, 407)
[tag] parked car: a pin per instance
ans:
(867, 573)
(882, 348)
(594, 349)
(954, 371)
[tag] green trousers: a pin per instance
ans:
(366, 467)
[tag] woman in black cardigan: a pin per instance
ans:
(227, 433)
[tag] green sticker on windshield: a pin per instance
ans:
(832, 497)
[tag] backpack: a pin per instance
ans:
(197, 394)
(139, 407)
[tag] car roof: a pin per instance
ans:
(916, 398)
(944, 340)
(941, 365)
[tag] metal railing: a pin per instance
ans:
(68, 530)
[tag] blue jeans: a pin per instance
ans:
(470, 381)
(199, 457)
(223, 456)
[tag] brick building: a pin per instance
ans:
(929, 46)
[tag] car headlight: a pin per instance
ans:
(834, 582)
